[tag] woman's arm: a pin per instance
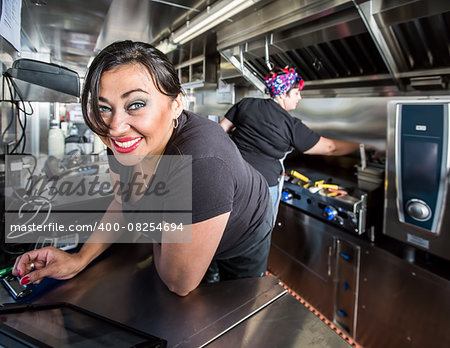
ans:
(227, 125)
(333, 147)
(58, 264)
(100, 240)
(181, 266)
(54, 263)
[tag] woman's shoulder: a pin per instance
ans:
(198, 128)
(199, 137)
(249, 101)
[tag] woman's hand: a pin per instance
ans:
(373, 153)
(34, 265)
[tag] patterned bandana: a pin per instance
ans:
(280, 84)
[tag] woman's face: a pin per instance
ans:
(289, 101)
(292, 99)
(140, 118)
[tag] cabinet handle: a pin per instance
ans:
(330, 253)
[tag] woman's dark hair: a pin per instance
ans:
(119, 53)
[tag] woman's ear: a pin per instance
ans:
(283, 96)
(280, 98)
(177, 106)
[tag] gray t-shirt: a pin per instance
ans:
(222, 181)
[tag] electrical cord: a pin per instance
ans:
(3, 99)
(21, 107)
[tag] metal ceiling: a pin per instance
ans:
(66, 30)
(387, 45)
(399, 45)
(71, 31)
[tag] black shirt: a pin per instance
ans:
(221, 182)
(265, 132)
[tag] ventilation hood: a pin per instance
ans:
(38, 81)
(379, 47)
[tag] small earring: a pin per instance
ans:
(175, 123)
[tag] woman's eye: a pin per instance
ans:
(136, 106)
(104, 109)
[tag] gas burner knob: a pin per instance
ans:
(286, 196)
(330, 213)
(418, 209)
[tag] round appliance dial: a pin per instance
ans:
(418, 209)
(286, 196)
(330, 213)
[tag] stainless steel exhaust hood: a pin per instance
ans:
(44, 82)
(340, 47)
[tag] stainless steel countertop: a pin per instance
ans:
(285, 323)
(123, 285)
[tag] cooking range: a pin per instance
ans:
(350, 198)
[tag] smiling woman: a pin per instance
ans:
(133, 100)
(140, 119)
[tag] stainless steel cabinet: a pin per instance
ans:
(379, 299)
(302, 257)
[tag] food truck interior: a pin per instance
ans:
(360, 251)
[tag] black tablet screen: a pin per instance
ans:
(65, 326)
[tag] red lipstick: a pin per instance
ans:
(125, 144)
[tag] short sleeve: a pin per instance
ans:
(304, 138)
(114, 165)
(212, 188)
(231, 113)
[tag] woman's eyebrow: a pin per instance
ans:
(125, 95)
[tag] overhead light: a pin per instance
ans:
(217, 13)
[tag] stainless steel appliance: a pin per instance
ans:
(348, 212)
(417, 209)
(352, 206)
